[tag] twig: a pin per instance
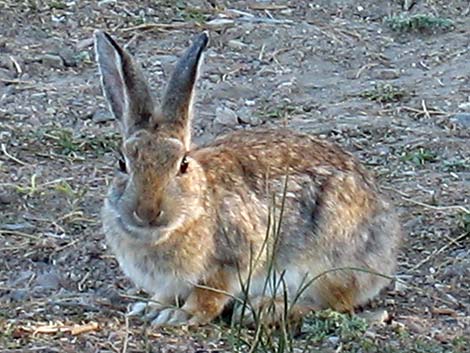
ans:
(17, 247)
(126, 337)
(425, 109)
(262, 7)
(440, 250)
(4, 150)
(215, 290)
(264, 20)
(16, 81)
(21, 234)
(430, 112)
(60, 248)
(82, 281)
(159, 26)
(261, 52)
(365, 67)
(408, 198)
(439, 208)
(17, 66)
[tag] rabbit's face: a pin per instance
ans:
(160, 184)
(156, 181)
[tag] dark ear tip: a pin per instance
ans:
(202, 39)
(102, 38)
(99, 35)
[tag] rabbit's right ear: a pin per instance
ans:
(123, 84)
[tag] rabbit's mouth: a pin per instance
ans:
(133, 220)
(153, 233)
(148, 223)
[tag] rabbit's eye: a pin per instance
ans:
(184, 165)
(122, 165)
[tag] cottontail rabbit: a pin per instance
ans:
(255, 214)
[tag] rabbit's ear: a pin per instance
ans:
(176, 107)
(123, 84)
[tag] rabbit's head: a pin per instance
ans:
(158, 181)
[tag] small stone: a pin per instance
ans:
(6, 198)
(68, 57)
(214, 78)
(18, 295)
(102, 116)
(464, 106)
(401, 327)
(400, 286)
(226, 116)
(461, 120)
(51, 60)
(48, 280)
(236, 44)
(375, 317)
(390, 302)
(334, 340)
(386, 74)
(84, 43)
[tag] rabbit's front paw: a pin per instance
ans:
(137, 309)
(173, 317)
(160, 315)
(147, 311)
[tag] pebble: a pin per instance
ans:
(464, 106)
(461, 120)
(387, 74)
(84, 43)
(48, 280)
(400, 286)
(68, 57)
(18, 295)
(6, 198)
(102, 116)
(51, 60)
(334, 340)
(226, 116)
(375, 317)
(390, 302)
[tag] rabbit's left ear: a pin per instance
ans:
(124, 85)
(176, 107)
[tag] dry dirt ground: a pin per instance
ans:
(399, 100)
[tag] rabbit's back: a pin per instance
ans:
(329, 208)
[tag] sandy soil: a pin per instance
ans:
(399, 100)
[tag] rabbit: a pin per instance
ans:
(256, 216)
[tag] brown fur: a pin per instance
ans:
(216, 222)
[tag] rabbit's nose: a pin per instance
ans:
(146, 216)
